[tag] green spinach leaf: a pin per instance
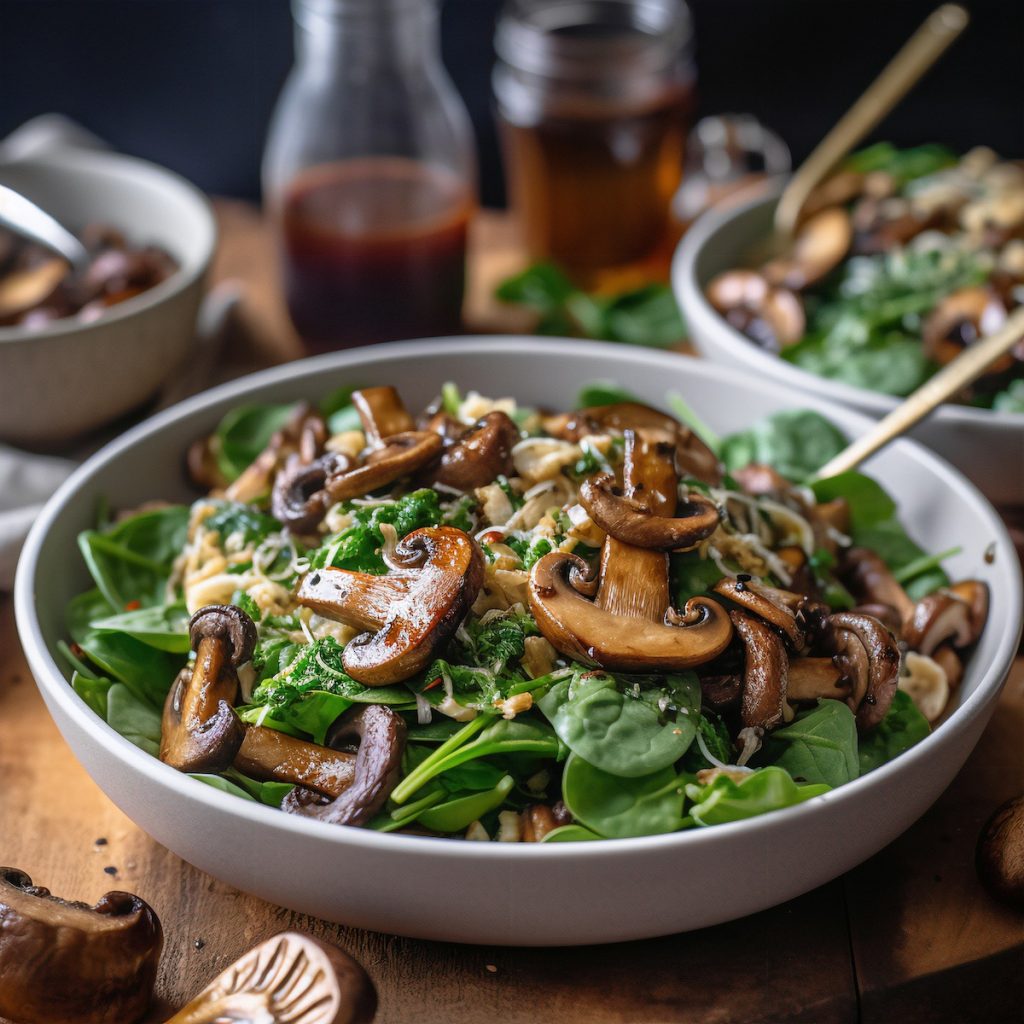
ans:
(819, 745)
(767, 789)
(902, 727)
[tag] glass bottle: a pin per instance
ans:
(369, 175)
(594, 99)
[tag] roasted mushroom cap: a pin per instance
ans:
(820, 245)
(271, 755)
(67, 961)
(383, 414)
(24, 289)
(869, 580)
(380, 734)
(959, 320)
(300, 499)
(398, 456)
(765, 671)
(774, 606)
(771, 317)
(289, 978)
(1000, 854)
(200, 731)
(866, 654)
(480, 455)
(947, 615)
(409, 613)
(630, 623)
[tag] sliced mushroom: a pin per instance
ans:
(29, 287)
(765, 670)
(869, 580)
(882, 222)
(398, 456)
(924, 680)
(975, 593)
(821, 243)
(380, 733)
(480, 455)
(630, 623)
(271, 755)
(836, 190)
(866, 654)
(436, 573)
(300, 499)
(771, 317)
(304, 434)
(939, 617)
(289, 979)
(383, 414)
(693, 457)
(775, 606)
(67, 961)
(815, 679)
(959, 320)
(200, 731)
(633, 519)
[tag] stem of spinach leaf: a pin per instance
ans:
(923, 564)
(424, 770)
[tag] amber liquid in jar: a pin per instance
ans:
(374, 249)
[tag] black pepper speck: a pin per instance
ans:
(110, 869)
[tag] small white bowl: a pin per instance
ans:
(504, 893)
(68, 377)
(987, 446)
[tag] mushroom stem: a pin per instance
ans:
(270, 755)
(382, 413)
(765, 670)
(815, 679)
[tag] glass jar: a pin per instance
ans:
(369, 175)
(594, 99)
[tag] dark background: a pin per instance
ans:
(191, 83)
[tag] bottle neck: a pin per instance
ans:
(400, 34)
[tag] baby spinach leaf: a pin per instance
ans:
(236, 517)
(819, 745)
(570, 834)
(768, 789)
(134, 719)
(796, 442)
(902, 727)
(271, 793)
(455, 815)
(603, 392)
(93, 690)
(224, 785)
(869, 503)
(164, 627)
(1012, 399)
(243, 433)
(622, 730)
(714, 734)
(313, 713)
(616, 807)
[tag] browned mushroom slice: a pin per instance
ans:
(949, 661)
(867, 655)
(721, 692)
(836, 190)
(300, 499)
(383, 414)
(815, 679)
(480, 455)
(27, 288)
(943, 616)
(632, 521)
(289, 979)
(400, 455)
(630, 623)
(765, 669)
(380, 733)
(975, 593)
(435, 576)
(821, 243)
(882, 222)
(772, 318)
(775, 606)
(270, 755)
(200, 731)
(67, 961)
(869, 580)
(959, 320)
(304, 434)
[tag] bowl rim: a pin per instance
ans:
(53, 684)
(100, 163)
(689, 293)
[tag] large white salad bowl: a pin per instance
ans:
(513, 893)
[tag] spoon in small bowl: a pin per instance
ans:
(956, 375)
(23, 289)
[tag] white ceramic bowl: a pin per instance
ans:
(69, 377)
(988, 447)
(494, 892)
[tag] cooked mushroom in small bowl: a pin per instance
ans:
(901, 259)
(549, 642)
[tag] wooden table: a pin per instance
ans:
(909, 936)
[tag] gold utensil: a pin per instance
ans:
(919, 53)
(964, 370)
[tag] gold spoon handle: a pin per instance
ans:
(923, 48)
(966, 368)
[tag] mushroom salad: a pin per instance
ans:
(500, 623)
(902, 258)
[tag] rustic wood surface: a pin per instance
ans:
(909, 936)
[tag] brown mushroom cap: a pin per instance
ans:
(771, 317)
(480, 455)
(632, 520)
(765, 671)
(1000, 854)
(271, 755)
(28, 287)
(769, 603)
(836, 190)
(380, 733)
(959, 320)
(399, 455)
(300, 499)
(866, 653)
(200, 731)
(939, 617)
(869, 580)
(67, 961)
(383, 414)
(435, 578)
(289, 978)
(821, 243)
(975, 593)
